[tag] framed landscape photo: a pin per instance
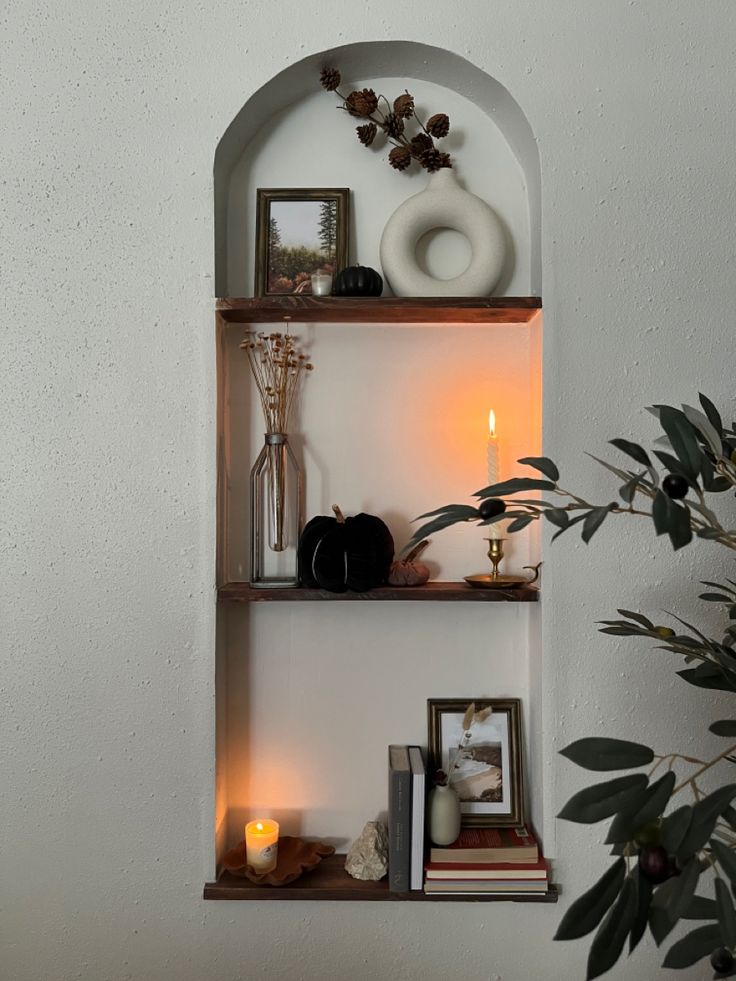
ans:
(477, 742)
(299, 231)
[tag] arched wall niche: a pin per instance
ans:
(287, 124)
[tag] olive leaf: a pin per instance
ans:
(588, 910)
(621, 474)
(603, 800)
(682, 438)
(573, 521)
(593, 520)
(626, 823)
(639, 617)
(705, 814)
(705, 427)
(514, 486)
(701, 908)
(632, 450)
(671, 519)
(674, 828)
(725, 858)
(557, 516)
(693, 947)
(726, 727)
(601, 753)
(612, 933)
(460, 511)
(673, 465)
(707, 675)
(644, 890)
(675, 895)
(726, 914)
(543, 464)
(628, 490)
(711, 412)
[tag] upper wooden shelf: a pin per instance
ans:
(379, 310)
(241, 592)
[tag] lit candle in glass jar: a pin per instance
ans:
(262, 844)
(321, 284)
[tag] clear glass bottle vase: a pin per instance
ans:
(276, 514)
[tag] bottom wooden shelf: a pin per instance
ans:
(330, 881)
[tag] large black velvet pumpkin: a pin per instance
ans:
(341, 553)
(358, 281)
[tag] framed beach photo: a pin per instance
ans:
(477, 742)
(299, 231)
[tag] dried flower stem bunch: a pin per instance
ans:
(365, 104)
(469, 719)
(277, 364)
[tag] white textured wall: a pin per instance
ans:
(111, 117)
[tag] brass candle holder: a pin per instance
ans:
(495, 553)
(495, 580)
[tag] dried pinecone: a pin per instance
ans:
(366, 133)
(399, 158)
(438, 125)
(362, 103)
(393, 124)
(433, 160)
(404, 106)
(330, 78)
(421, 142)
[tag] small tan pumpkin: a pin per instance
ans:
(409, 572)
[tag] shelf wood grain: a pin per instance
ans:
(444, 592)
(379, 310)
(330, 881)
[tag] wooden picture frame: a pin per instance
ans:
(489, 777)
(299, 231)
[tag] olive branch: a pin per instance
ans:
(659, 852)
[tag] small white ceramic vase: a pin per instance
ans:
(444, 816)
(443, 204)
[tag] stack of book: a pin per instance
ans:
(488, 861)
(406, 798)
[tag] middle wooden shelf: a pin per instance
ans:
(444, 592)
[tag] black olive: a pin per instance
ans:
(675, 486)
(491, 507)
(656, 865)
(721, 960)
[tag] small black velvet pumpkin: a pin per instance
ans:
(358, 281)
(341, 553)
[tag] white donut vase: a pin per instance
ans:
(443, 204)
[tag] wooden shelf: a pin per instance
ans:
(241, 592)
(330, 881)
(379, 310)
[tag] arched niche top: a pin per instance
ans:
(370, 59)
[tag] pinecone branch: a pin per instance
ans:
(364, 104)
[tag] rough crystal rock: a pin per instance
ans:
(368, 855)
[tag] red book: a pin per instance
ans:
(533, 871)
(488, 846)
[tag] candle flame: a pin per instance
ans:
(492, 423)
(259, 826)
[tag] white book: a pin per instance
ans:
(418, 779)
